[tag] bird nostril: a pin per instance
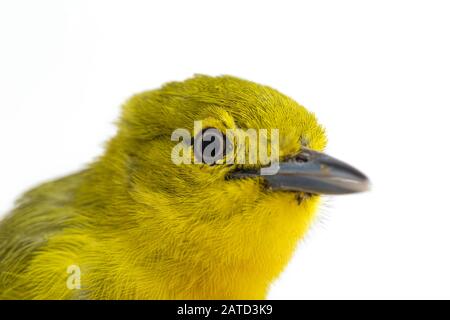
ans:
(298, 158)
(301, 158)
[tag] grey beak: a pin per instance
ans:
(313, 172)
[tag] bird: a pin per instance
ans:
(133, 224)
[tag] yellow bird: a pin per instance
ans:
(135, 224)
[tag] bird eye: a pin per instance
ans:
(210, 145)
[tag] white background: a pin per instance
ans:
(376, 73)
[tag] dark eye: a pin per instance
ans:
(210, 146)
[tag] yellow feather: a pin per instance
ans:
(140, 227)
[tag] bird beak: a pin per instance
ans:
(312, 172)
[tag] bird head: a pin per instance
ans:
(228, 209)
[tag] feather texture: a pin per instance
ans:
(140, 227)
